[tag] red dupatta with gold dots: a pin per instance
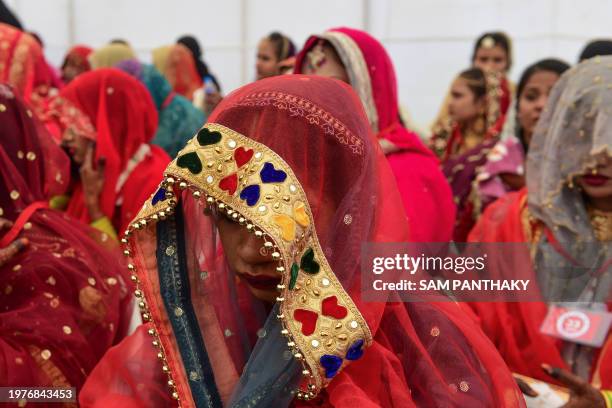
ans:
(292, 160)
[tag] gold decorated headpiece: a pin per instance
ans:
(256, 188)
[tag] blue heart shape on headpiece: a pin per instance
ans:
(355, 351)
(270, 175)
(160, 195)
(331, 364)
(250, 194)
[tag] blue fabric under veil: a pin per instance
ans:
(179, 120)
(266, 380)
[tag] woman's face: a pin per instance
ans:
(267, 63)
(533, 100)
(323, 60)
(254, 266)
(597, 182)
(245, 257)
(71, 70)
(464, 106)
(491, 59)
(76, 145)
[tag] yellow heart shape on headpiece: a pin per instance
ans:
(299, 213)
(286, 225)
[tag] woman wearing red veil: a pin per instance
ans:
(176, 63)
(65, 300)
(565, 215)
(120, 166)
(492, 52)
(76, 62)
(247, 260)
(23, 65)
(360, 60)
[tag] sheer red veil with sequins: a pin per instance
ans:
(124, 115)
(422, 354)
(65, 300)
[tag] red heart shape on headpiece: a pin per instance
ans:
(242, 156)
(331, 308)
(229, 183)
(308, 320)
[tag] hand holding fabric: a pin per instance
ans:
(14, 247)
(582, 394)
(525, 388)
(93, 183)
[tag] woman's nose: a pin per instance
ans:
(250, 249)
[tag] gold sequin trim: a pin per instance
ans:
(601, 222)
(289, 242)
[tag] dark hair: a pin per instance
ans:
(283, 46)
(38, 38)
(119, 41)
(476, 81)
(595, 48)
(193, 45)
(499, 39)
(549, 65)
(8, 17)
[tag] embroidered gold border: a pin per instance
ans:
(287, 242)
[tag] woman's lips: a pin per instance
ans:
(264, 282)
(595, 179)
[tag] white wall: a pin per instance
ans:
(429, 40)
